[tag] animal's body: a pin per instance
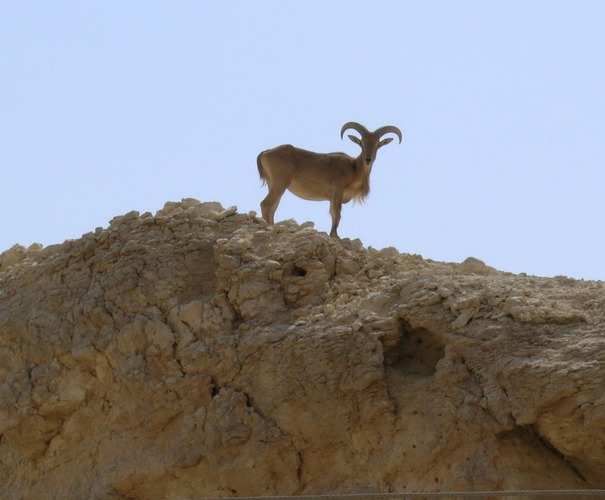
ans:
(336, 177)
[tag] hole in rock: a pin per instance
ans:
(214, 388)
(293, 270)
(298, 271)
(417, 352)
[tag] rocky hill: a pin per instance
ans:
(199, 352)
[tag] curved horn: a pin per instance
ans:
(389, 128)
(355, 126)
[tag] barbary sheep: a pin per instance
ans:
(336, 177)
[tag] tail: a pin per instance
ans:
(261, 170)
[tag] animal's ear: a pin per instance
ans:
(355, 139)
(385, 141)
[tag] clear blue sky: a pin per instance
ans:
(111, 106)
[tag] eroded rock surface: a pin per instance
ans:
(199, 352)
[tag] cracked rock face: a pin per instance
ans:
(199, 352)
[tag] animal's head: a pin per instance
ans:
(370, 142)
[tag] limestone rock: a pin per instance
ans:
(17, 254)
(199, 352)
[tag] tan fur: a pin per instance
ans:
(336, 177)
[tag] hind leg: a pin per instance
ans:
(269, 205)
(335, 211)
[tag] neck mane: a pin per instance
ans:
(363, 173)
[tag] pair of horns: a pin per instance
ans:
(364, 131)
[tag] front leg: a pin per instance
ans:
(335, 210)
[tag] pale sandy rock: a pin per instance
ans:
(199, 352)
(18, 254)
(476, 266)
